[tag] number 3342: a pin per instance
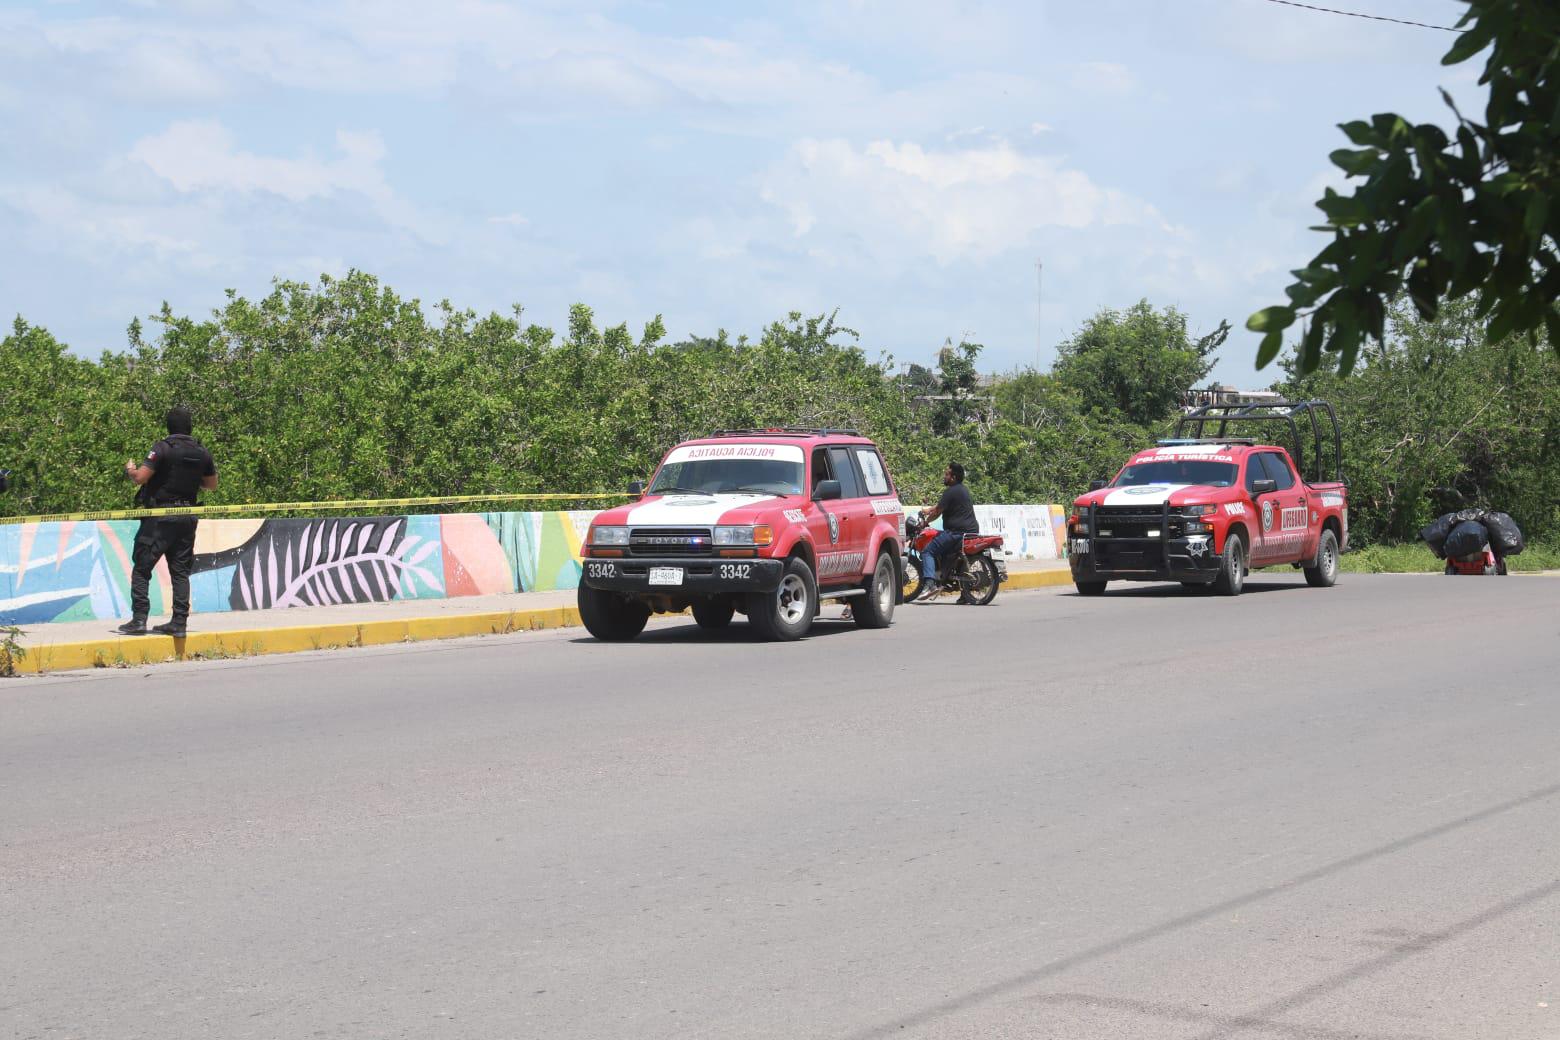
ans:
(736, 570)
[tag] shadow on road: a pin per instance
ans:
(1010, 986)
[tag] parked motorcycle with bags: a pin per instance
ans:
(974, 573)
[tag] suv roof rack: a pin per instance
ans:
(1275, 411)
(790, 431)
(1167, 442)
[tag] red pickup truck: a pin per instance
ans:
(764, 523)
(1204, 510)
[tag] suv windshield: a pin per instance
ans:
(759, 476)
(1180, 471)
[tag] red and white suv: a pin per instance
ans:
(765, 523)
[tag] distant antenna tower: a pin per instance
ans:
(1039, 303)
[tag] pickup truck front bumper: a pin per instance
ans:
(1143, 559)
(698, 576)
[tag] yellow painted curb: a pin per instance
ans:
(1037, 579)
(126, 651)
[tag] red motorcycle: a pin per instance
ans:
(974, 574)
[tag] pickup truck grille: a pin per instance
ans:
(1128, 521)
(671, 541)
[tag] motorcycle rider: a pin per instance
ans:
(958, 512)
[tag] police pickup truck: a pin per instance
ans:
(1204, 510)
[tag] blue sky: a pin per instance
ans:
(720, 164)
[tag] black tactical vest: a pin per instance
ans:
(181, 464)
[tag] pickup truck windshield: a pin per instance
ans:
(759, 476)
(1178, 471)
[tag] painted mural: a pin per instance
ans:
(80, 571)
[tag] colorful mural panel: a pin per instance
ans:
(81, 571)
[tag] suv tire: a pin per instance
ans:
(786, 612)
(610, 617)
(1232, 567)
(876, 608)
(1323, 573)
(713, 614)
(1090, 588)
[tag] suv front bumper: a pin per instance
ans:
(701, 576)
(1134, 559)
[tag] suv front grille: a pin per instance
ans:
(671, 541)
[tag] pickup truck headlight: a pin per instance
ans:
(609, 536)
(1198, 510)
(1080, 528)
(756, 534)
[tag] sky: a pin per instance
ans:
(908, 162)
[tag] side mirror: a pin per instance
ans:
(1262, 487)
(1095, 485)
(826, 490)
(636, 487)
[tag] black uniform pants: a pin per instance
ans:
(158, 538)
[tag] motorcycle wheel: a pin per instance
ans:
(911, 588)
(984, 588)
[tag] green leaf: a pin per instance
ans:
(1535, 218)
(1355, 161)
(1468, 44)
(1360, 132)
(1271, 319)
(1416, 230)
(1311, 346)
(1272, 343)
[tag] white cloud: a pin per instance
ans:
(201, 155)
(896, 199)
(1103, 77)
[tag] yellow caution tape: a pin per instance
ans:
(298, 507)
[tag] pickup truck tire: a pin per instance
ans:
(713, 614)
(1323, 573)
(610, 617)
(787, 612)
(876, 608)
(1090, 588)
(1232, 567)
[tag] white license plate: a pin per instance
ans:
(666, 575)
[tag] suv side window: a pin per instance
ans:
(1278, 469)
(845, 473)
(820, 469)
(872, 470)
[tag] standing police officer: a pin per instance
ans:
(175, 471)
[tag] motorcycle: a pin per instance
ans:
(974, 574)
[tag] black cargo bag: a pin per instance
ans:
(1467, 539)
(1505, 535)
(1476, 514)
(1434, 533)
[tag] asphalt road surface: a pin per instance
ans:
(1301, 813)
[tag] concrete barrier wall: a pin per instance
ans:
(78, 571)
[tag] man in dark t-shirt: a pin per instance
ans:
(958, 513)
(176, 470)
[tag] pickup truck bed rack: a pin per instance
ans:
(1289, 412)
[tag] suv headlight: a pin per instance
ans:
(756, 534)
(609, 536)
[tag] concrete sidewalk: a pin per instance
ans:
(95, 644)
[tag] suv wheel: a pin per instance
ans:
(876, 608)
(713, 614)
(1323, 573)
(1232, 568)
(611, 617)
(786, 613)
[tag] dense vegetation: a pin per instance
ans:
(346, 390)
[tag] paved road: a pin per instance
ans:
(1299, 814)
